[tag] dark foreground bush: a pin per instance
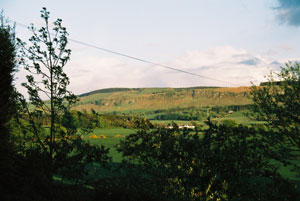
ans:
(223, 163)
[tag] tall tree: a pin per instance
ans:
(7, 69)
(47, 56)
(45, 60)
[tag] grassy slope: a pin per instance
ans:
(144, 99)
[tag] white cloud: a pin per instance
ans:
(227, 64)
(221, 63)
(93, 73)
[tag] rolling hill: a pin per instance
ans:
(143, 99)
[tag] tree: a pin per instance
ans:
(7, 103)
(221, 163)
(46, 58)
(60, 146)
(278, 103)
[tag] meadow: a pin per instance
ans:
(110, 137)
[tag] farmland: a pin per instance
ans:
(156, 143)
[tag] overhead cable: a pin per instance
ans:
(139, 59)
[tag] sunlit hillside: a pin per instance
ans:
(161, 98)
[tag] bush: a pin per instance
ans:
(224, 162)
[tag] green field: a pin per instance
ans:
(111, 139)
(239, 117)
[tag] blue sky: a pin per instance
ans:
(237, 41)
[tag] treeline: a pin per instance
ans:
(184, 116)
(109, 90)
(124, 121)
(79, 119)
(193, 113)
(276, 83)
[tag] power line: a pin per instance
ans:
(149, 62)
(139, 59)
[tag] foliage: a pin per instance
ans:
(8, 67)
(229, 123)
(124, 121)
(177, 116)
(223, 163)
(166, 157)
(63, 151)
(277, 103)
(7, 107)
(82, 120)
(242, 156)
(194, 113)
(44, 60)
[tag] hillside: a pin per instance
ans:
(136, 99)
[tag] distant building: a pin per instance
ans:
(187, 126)
(169, 127)
(181, 127)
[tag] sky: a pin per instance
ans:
(235, 41)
